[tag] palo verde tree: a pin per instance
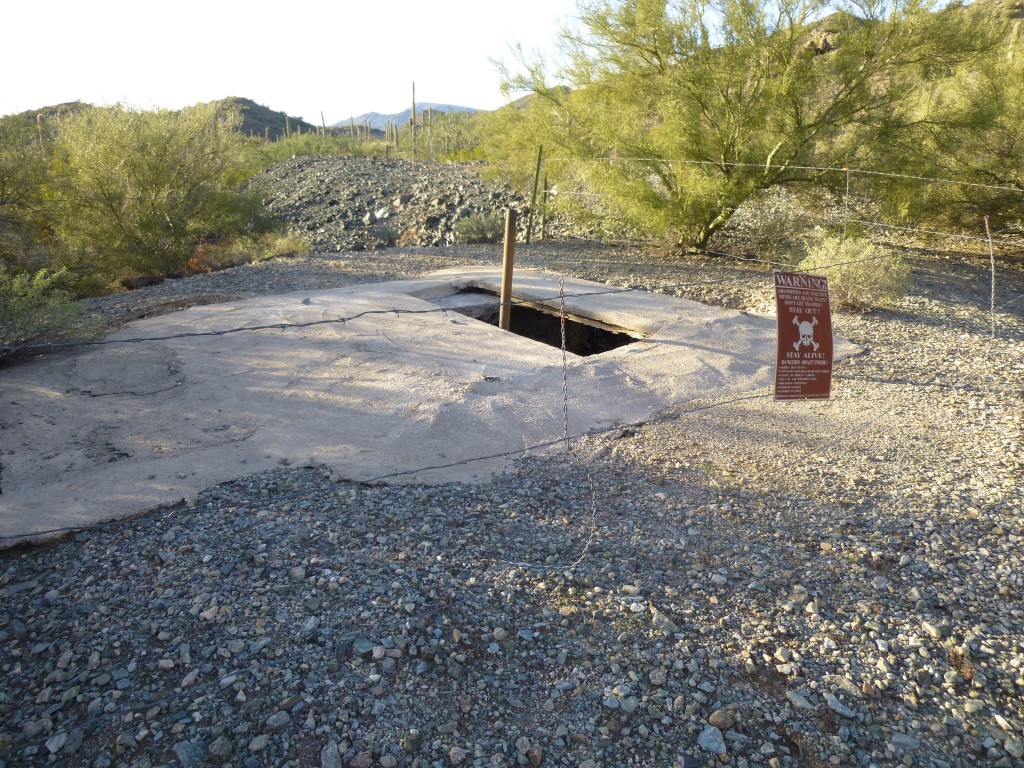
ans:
(970, 131)
(677, 112)
(134, 191)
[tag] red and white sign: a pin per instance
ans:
(803, 365)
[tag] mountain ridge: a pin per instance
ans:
(379, 120)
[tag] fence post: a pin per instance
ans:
(508, 260)
(846, 204)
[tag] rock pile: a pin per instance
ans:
(355, 204)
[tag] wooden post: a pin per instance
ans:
(533, 200)
(507, 262)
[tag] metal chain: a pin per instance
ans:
(570, 450)
(565, 363)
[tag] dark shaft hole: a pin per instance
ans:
(580, 338)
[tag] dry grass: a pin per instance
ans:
(223, 254)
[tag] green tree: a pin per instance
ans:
(971, 132)
(677, 112)
(136, 190)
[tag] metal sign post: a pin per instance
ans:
(803, 363)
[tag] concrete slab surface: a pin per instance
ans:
(119, 429)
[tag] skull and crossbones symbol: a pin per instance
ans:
(806, 333)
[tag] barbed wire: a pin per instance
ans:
(6, 350)
(1009, 241)
(815, 168)
(894, 227)
(51, 346)
(381, 479)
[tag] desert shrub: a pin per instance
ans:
(136, 190)
(480, 228)
(774, 225)
(861, 274)
(308, 144)
(774, 235)
(33, 306)
(383, 234)
(23, 172)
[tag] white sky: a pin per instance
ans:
(341, 57)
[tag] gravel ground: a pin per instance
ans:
(734, 582)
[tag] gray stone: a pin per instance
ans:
(220, 750)
(903, 741)
(935, 629)
(362, 646)
(309, 626)
(189, 753)
(330, 756)
(279, 721)
(799, 701)
(1014, 748)
(662, 623)
(56, 743)
(75, 739)
(711, 740)
(837, 706)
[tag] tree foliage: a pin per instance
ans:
(680, 111)
(971, 131)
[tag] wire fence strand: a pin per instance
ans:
(53, 346)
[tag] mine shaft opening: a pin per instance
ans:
(583, 336)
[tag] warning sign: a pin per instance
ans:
(803, 365)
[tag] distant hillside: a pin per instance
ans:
(48, 113)
(380, 121)
(258, 120)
